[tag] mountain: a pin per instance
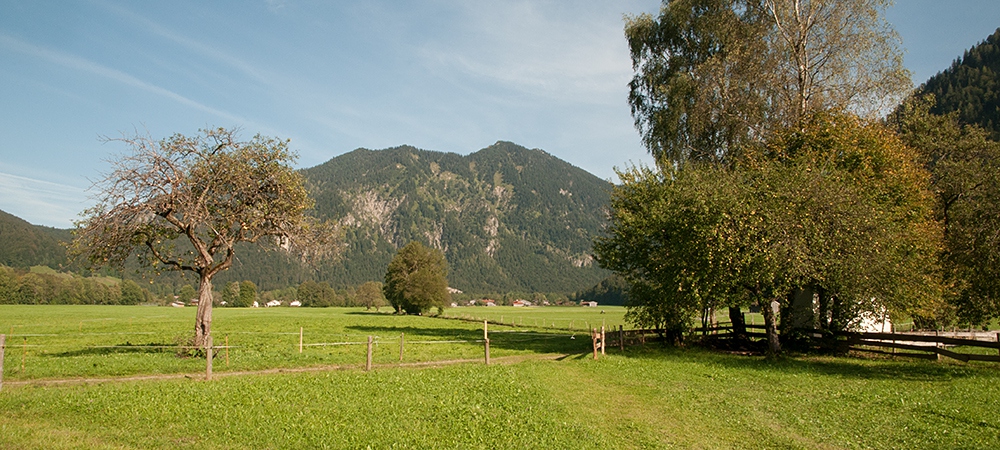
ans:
(507, 218)
(23, 244)
(971, 86)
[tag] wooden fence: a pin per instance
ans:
(926, 345)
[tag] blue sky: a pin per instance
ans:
(446, 75)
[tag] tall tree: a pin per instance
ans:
(839, 205)
(370, 295)
(248, 293)
(713, 77)
(965, 178)
(416, 279)
(183, 203)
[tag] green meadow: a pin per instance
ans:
(544, 389)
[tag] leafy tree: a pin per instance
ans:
(248, 293)
(187, 293)
(183, 203)
(131, 293)
(965, 178)
(311, 293)
(416, 280)
(370, 295)
(839, 206)
(713, 77)
(231, 294)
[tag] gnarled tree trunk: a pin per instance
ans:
(203, 317)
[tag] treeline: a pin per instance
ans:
(44, 286)
(243, 294)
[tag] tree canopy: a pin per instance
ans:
(965, 178)
(183, 203)
(840, 206)
(713, 77)
(416, 279)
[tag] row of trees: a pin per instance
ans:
(34, 288)
(774, 174)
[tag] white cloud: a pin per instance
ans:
(41, 202)
(84, 65)
(211, 52)
(540, 49)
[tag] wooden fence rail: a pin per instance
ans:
(923, 346)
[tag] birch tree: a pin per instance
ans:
(716, 77)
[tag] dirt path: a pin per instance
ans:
(201, 375)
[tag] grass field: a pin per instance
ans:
(644, 398)
(96, 341)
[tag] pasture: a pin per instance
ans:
(543, 391)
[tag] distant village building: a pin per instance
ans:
(522, 303)
(588, 303)
(273, 303)
(295, 303)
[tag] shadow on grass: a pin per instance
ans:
(126, 348)
(841, 366)
(505, 338)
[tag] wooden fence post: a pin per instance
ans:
(208, 364)
(400, 347)
(227, 350)
(24, 353)
(593, 339)
(603, 342)
(368, 365)
(300, 339)
(486, 341)
(3, 341)
(621, 338)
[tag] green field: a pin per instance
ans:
(544, 391)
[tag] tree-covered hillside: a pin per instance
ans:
(23, 244)
(971, 86)
(506, 217)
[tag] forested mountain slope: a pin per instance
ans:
(507, 218)
(971, 86)
(23, 244)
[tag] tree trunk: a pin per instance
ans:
(203, 318)
(773, 344)
(739, 325)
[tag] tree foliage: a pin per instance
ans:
(965, 178)
(50, 288)
(183, 203)
(370, 295)
(416, 280)
(713, 77)
(839, 206)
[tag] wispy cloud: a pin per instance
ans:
(41, 202)
(80, 64)
(209, 51)
(540, 49)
